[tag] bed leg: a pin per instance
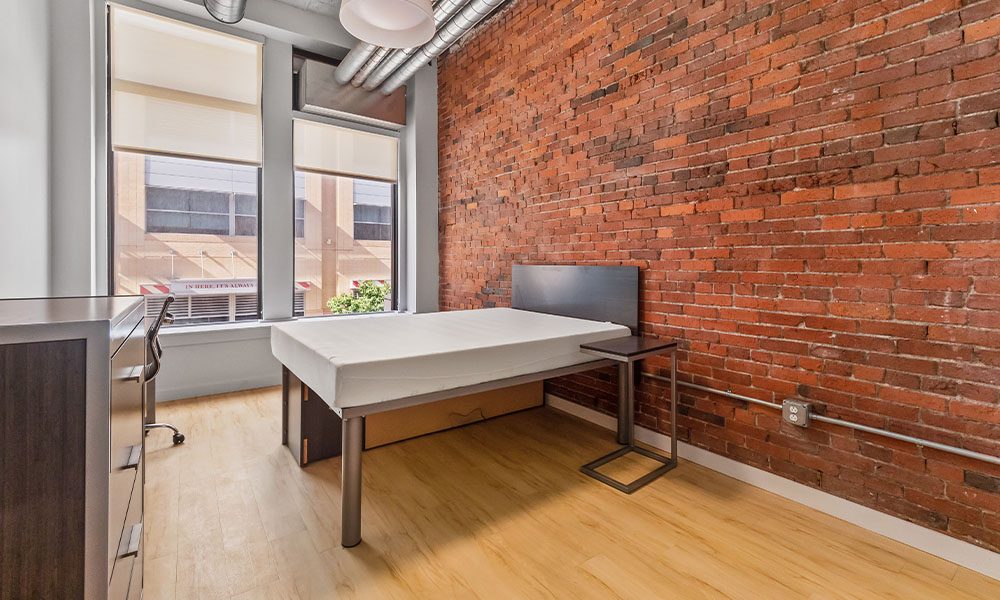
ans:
(350, 518)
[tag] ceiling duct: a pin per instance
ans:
(468, 18)
(354, 60)
(443, 10)
(227, 11)
(373, 62)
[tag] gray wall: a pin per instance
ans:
(49, 154)
(24, 150)
(216, 361)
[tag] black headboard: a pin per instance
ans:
(595, 293)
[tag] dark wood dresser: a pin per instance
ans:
(71, 447)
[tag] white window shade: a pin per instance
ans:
(183, 90)
(333, 150)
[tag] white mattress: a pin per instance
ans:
(353, 362)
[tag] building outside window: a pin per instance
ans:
(189, 228)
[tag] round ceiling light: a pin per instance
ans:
(389, 23)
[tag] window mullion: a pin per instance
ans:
(277, 208)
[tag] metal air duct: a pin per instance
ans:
(468, 18)
(443, 10)
(373, 62)
(354, 60)
(227, 11)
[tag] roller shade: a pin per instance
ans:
(336, 150)
(183, 90)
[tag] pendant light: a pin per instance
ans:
(227, 11)
(389, 23)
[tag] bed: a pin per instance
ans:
(365, 365)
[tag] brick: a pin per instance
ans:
(976, 195)
(750, 214)
(982, 30)
(922, 12)
(797, 196)
(922, 251)
(767, 106)
(940, 181)
(865, 190)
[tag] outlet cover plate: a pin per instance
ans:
(796, 412)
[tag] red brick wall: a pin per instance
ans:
(812, 191)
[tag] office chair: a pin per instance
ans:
(153, 369)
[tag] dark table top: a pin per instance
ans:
(631, 346)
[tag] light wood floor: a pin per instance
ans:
(493, 510)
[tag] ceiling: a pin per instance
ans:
(323, 7)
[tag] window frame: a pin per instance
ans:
(395, 228)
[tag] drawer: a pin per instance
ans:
(135, 586)
(124, 511)
(126, 400)
(128, 554)
(118, 588)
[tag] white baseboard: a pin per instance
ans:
(930, 541)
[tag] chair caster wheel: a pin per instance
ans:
(178, 438)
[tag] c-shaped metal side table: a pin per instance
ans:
(628, 351)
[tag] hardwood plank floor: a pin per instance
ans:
(493, 510)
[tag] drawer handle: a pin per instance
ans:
(134, 456)
(135, 374)
(134, 539)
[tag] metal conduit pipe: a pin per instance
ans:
(443, 10)
(354, 60)
(842, 423)
(366, 70)
(469, 17)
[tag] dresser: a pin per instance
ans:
(71, 447)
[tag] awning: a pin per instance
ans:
(206, 287)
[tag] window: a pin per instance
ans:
(373, 210)
(345, 195)
(186, 141)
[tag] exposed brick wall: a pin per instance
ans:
(812, 191)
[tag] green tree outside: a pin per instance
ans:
(368, 298)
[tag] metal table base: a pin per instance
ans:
(626, 428)
(591, 468)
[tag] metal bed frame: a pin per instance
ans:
(597, 293)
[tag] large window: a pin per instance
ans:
(345, 197)
(186, 136)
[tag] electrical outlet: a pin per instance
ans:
(796, 412)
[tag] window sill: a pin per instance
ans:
(196, 335)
